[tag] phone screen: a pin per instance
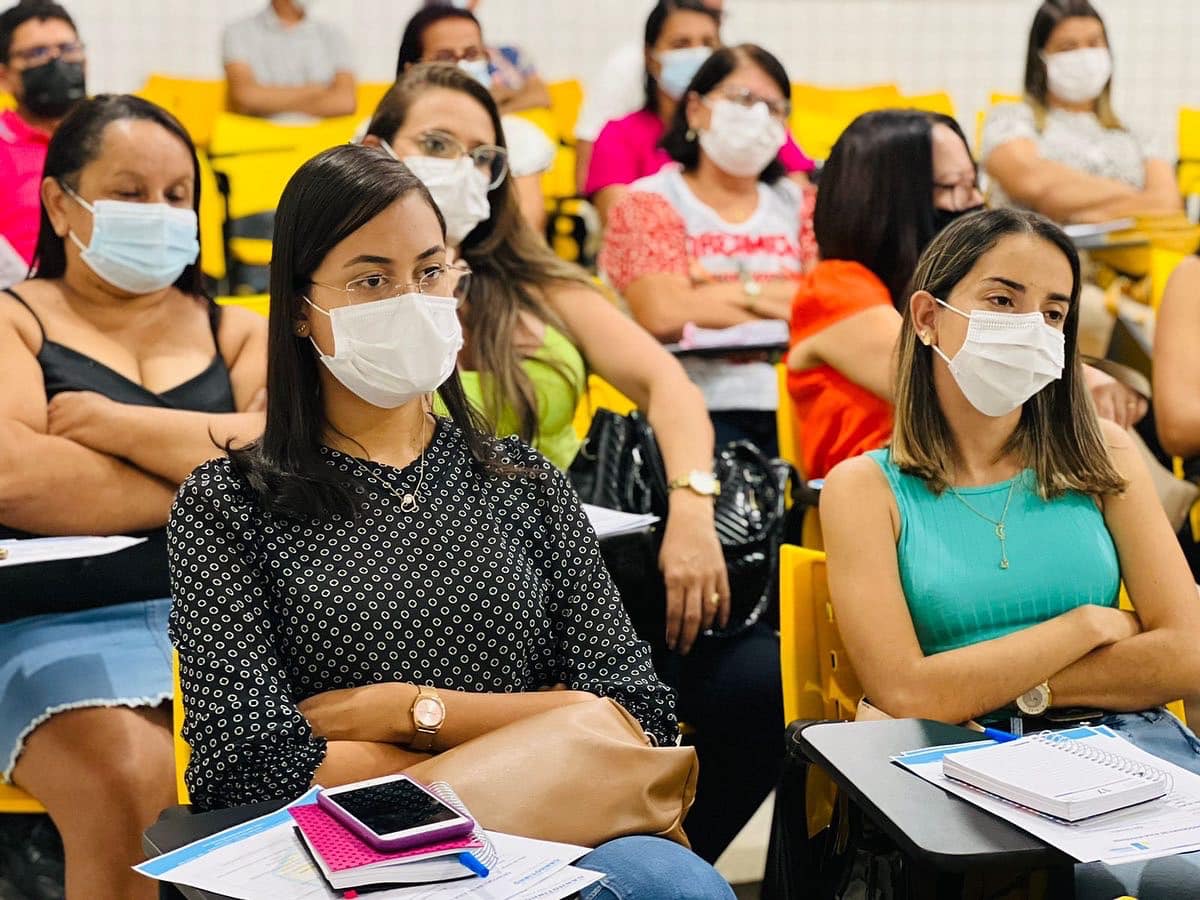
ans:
(394, 806)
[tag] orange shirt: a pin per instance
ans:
(835, 418)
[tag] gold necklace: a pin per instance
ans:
(410, 501)
(997, 524)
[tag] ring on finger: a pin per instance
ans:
(715, 599)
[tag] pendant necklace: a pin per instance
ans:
(411, 500)
(997, 524)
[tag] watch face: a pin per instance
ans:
(1034, 701)
(428, 713)
(703, 482)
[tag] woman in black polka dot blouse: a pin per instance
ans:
(368, 584)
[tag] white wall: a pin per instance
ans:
(969, 47)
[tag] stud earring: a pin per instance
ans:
(691, 135)
(301, 329)
(926, 339)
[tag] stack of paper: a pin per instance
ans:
(265, 857)
(19, 552)
(346, 862)
(1162, 827)
(613, 522)
(757, 334)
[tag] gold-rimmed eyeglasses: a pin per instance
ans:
(452, 280)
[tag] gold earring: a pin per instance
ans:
(926, 339)
(301, 329)
(690, 136)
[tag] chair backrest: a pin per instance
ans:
(818, 680)
(367, 95)
(15, 800)
(600, 395)
(1189, 150)
(566, 98)
(212, 221)
(183, 752)
(1162, 264)
(259, 303)
(195, 102)
(785, 419)
(936, 102)
(7, 101)
(820, 114)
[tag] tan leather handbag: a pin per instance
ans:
(584, 774)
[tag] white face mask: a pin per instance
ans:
(1005, 359)
(1078, 76)
(459, 189)
(742, 140)
(138, 247)
(390, 351)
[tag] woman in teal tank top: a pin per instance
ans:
(975, 564)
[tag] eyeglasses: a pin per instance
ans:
(438, 281)
(962, 194)
(37, 56)
(780, 109)
(489, 159)
(470, 54)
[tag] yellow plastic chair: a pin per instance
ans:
(820, 114)
(367, 95)
(1162, 264)
(212, 221)
(566, 98)
(15, 800)
(600, 395)
(1189, 151)
(544, 119)
(196, 102)
(558, 182)
(937, 102)
(7, 101)
(785, 421)
(183, 751)
(257, 303)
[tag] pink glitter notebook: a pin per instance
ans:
(347, 862)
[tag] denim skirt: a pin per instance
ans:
(111, 656)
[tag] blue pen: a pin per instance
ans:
(1000, 737)
(471, 861)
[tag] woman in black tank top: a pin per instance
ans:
(120, 377)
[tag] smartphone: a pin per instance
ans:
(394, 813)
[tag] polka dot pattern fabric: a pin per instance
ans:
(492, 585)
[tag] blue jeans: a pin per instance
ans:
(651, 868)
(1155, 731)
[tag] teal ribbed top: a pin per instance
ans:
(1060, 554)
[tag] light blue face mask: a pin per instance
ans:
(138, 247)
(679, 67)
(479, 69)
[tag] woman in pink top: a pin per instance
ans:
(680, 36)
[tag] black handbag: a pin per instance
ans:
(619, 467)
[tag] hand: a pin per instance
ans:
(698, 274)
(694, 569)
(373, 712)
(87, 418)
(1113, 625)
(1114, 400)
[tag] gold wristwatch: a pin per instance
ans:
(703, 483)
(1036, 700)
(428, 713)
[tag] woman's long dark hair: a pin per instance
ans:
(330, 197)
(875, 205)
(655, 23)
(511, 265)
(77, 141)
(1037, 87)
(685, 150)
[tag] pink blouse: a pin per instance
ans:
(627, 149)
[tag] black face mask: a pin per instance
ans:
(943, 217)
(53, 88)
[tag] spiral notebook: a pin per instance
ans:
(1058, 776)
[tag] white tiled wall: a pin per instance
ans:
(969, 47)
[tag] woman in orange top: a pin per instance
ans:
(895, 178)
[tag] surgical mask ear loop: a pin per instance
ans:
(929, 341)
